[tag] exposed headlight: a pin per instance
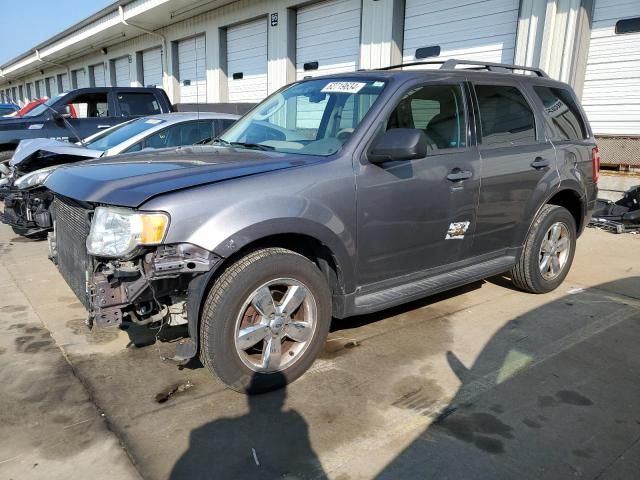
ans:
(115, 232)
(34, 178)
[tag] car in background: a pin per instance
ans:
(33, 104)
(95, 109)
(8, 109)
(26, 200)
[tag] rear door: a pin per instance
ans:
(418, 215)
(131, 104)
(518, 166)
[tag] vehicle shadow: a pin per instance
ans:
(553, 394)
(269, 442)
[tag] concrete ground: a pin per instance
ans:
(481, 382)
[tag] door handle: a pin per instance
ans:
(104, 126)
(458, 175)
(540, 162)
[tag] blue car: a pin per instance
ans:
(7, 108)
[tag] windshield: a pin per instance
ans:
(314, 117)
(40, 109)
(116, 135)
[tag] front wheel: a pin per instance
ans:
(265, 320)
(548, 251)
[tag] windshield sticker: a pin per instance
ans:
(377, 84)
(153, 121)
(36, 126)
(343, 87)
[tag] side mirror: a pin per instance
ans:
(59, 116)
(399, 144)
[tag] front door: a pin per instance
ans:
(419, 215)
(89, 113)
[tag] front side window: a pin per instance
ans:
(314, 117)
(438, 110)
(563, 113)
(121, 133)
(88, 105)
(133, 104)
(506, 117)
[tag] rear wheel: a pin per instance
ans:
(265, 320)
(548, 251)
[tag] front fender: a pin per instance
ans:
(316, 201)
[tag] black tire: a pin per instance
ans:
(225, 301)
(526, 274)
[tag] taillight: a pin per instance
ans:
(595, 163)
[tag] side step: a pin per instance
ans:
(391, 297)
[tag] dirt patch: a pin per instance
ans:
(95, 335)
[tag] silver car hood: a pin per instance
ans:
(47, 146)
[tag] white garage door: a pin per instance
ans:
(121, 69)
(63, 82)
(192, 70)
(40, 89)
(484, 30)
(78, 78)
(611, 95)
(247, 61)
(328, 36)
(152, 68)
(98, 73)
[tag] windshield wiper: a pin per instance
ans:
(255, 146)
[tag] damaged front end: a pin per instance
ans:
(27, 211)
(151, 285)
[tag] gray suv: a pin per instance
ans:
(336, 196)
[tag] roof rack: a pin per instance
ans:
(453, 63)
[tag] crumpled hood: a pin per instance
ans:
(46, 147)
(132, 179)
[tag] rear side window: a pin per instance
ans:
(563, 113)
(133, 104)
(506, 117)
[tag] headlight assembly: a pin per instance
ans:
(34, 178)
(115, 232)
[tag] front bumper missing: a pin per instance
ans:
(146, 288)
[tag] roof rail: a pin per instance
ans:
(478, 65)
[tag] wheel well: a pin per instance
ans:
(305, 245)
(571, 201)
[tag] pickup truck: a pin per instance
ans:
(80, 113)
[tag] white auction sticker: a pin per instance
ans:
(153, 121)
(343, 87)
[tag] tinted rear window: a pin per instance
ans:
(132, 104)
(506, 117)
(563, 113)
